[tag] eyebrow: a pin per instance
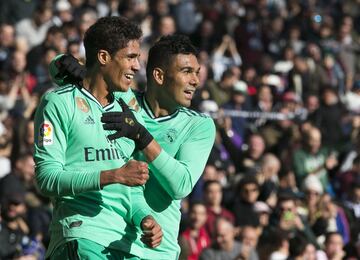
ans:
(190, 68)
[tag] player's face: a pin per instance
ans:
(123, 67)
(182, 79)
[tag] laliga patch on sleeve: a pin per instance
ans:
(46, 133)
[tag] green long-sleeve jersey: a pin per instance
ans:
(71, 149)
(186, 138)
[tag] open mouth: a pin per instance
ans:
(129, 76)
(189, 94)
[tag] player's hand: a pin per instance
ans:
(126, 125)
(70, 70)
(152, 233)
(133, 173)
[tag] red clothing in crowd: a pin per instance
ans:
(212, 216)
(196, 245)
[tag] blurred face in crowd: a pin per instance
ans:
(310, 252)
(334, 245)
(314, 140)
(167, 26)
(264, 218)
(256, 146)
(329, 61)
(43, 16)
(18, 62)
(287, 207)
(238, 97)
(26, 168)
(210, 173)
(224, 231)
(265, 94)
(270, 166)
(312, 103)
(13, 209)
(330, 98)
(198, 216)
(181, 79)
(250, 193)
(7, 33)
(300, 65)
(356, 195)
(249, 236)
(285, 124)
(58, 41)
(213, 194)
(87, 19)
(312, 197)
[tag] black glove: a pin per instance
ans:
(70, 70)
(126, 125)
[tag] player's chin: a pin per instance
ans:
(124, 86)
(185, 103)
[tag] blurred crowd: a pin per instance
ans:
(282, 81)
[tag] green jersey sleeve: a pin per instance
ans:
(51, 121)
(179, 175)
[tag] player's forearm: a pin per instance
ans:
(140, 209)
(173, 175)
(55, 182)
(152, 151)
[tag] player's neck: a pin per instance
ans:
(97, 87)
(157, 107)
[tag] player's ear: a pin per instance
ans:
(158, 75)
(104, 57)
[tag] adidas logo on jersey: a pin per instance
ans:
(89, 121)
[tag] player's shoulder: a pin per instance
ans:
(60, 96)
(194, 114)
(61, 92)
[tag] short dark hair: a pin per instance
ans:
(329, 235)
(210, 182)
(110, 34)
(247, 179)
(162, 52)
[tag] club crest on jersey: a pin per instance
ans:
(82, 104)
(46, 133)
(170, 135)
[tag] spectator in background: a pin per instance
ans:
(13, 225)
(7, 42)
(54, 39)
(313, 159)
(195, 238)
(301, 79)
(238, 101)
(334, 246)
(221, 90)
(212, 197)
(21, 177)
(226, 247)
(352, 98)
(334, 218)
(34, 29)
(313, 190)
(224, 57)
(331, 119)
(249, 237)
(249, 160)
(246, 195)
(287, 218)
